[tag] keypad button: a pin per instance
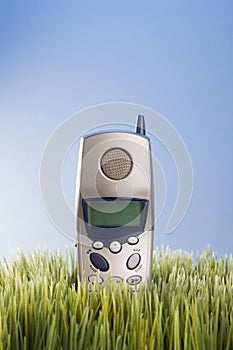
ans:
(134, 279)
(115, 247)
(116, 278)
(133, 240)
(99, 262)
(133, 261)
(97, 245)
(93, 278)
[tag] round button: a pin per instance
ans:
(99, 262)
(134, 279)
(116, 278)
(93, 278)
(115, 247)
(97, 245)
(133, 240)
(133, 261)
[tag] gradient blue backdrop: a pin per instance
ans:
(58, 57)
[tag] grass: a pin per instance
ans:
(187, 306)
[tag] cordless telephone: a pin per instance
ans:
(115, 206)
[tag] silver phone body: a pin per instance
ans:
(133, 262)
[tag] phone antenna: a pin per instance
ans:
(140, 126)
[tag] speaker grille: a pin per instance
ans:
(116, 164)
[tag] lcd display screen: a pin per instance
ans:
(115, 213)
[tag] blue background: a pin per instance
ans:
(58, 57)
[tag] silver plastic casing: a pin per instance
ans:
(93, 183)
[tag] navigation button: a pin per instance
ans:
(117, 279)
(99, 262)
(115, 247)
(93, 278)
(133, 261)
(134, 279)
(133, 240)
(97, 245)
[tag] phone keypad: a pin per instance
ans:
(101, 263)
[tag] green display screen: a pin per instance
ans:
(115, 213)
